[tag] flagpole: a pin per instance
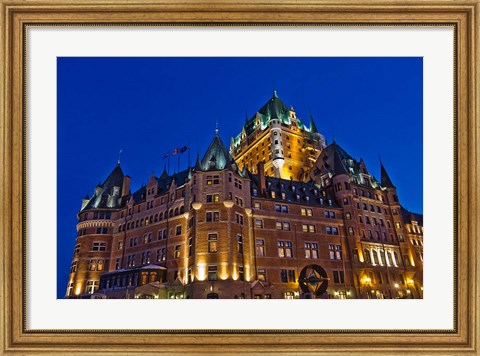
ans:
(178, 163)
(168, 162)
(188, 155)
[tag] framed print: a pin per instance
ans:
(239, 178)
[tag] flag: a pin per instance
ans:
(175, 151)
(166, 155)
(183, 149)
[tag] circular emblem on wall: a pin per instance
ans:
(313, 279)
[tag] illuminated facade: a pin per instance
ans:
(279, 139)
(233, 227)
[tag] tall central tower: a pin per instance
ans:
(279, 139)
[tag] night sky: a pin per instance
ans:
(149, 106)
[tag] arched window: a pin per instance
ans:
(375, 257)
(156, 218)
(366, 256)
(395, 258)
(382, 257)
(182, 209)
(151, 219)
(160, 217)
(170, 214)
(176, 211)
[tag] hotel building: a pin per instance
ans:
(280, 214)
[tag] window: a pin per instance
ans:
(212, 273)
(287, 276)
(351, 232)
(92, 287)
(161, 254)
(209, 180)
(131, 261)
(335, 251)
(70, 289)
(306, 211)
(177, 251)
(279, 225)
(178, 230)
(99, 246)
(257, 205)
(281, 208)
(338, 277)
(261, 274)
(238, 183)
(77, 249)
(73, 267)
(117, 264)
(147, 238)
(330, 214)
(239, 218)
(285, 249)
(397, 225)
(95, 265)
(366, 256)
(260, 247)
(145, 258)
(311, 250)
(406, 260)
(286, 226)
(331, 230)
(345, 201)
(212, 243)
(259, 224)
(212, 216)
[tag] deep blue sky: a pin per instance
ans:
(148, 106)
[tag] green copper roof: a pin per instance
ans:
(217, 156)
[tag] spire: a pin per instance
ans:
(338, 166)
(198, 166)
(119, 156)
(164, 173)
(313, 127)
(217, 156)
(385, 179)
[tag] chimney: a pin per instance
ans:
(126, 186)
(261, 178)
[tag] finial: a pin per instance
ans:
(119, 155)
(216, 127)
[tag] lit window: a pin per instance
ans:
(177, 251)
(259, 223)
(161, 254)
(285, 249)
(212, 243)
(335, 251)
(311, 250)
(260, 247)
(257, 205)
(73, 267)
(92, 287)
(262, 274)
(239, 244)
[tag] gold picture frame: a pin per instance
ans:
(18, 15)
